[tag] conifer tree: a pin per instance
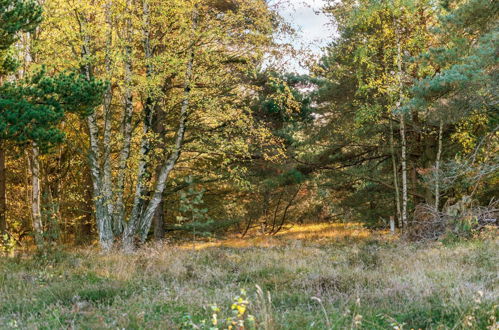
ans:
(16, 16)
(32, 108)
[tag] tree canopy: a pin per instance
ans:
(144, 118)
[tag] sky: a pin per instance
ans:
(314, 28)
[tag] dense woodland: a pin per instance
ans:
(126, 121)
(162, 166)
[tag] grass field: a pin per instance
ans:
(308, 277)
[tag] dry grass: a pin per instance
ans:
(317, 276)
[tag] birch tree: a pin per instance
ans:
(178, 63)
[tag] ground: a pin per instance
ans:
(307, 277)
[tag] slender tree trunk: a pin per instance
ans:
(159, 222)
(36, 195)
(404, 171)
(126, 127)
(142, 171)
(402, 131)
(395, 173)
(266, 209)
(3, 186)
(107, 185)
(51, 210)
(283, 219)
(437, 165)
(103, 218)
(146, 219)
(159, 216)
(274, 219)
(84, 227)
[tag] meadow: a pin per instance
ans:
(307, 277)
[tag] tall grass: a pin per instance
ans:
(306, 282)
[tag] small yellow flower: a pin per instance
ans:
(241, 309)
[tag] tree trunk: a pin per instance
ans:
(130, 230)
(402, 130)
(395, 174)
(103, 218)
(3, 186)
(146, 219)
(107, 185)
(404, 171)
(36, 195)
(437, 165)
(159, 222)
(126, 128)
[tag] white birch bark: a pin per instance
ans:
(36, 202)
(103, 218)
(147, 216)
(107, 189)
(36, 195)
(404, 170)
(126, 128)
(138, 202)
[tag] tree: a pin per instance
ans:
(15, 17)
(462, 93)
(179, 93)
(30, 111)
(364, 80)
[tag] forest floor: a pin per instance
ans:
(307, 277)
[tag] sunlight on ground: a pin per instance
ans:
(321, 233)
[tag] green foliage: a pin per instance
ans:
(467, 61)
(448, 74)
(194, 215)
(15, 16)
(280, 98)
(7, 243)
(191, 202)
(30, 110)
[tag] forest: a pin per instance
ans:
(163, 166)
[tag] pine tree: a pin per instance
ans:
(16, 16)
(31, 109)
(463, 96)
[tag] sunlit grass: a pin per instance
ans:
(324, 233)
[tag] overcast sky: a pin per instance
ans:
(314, 30)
